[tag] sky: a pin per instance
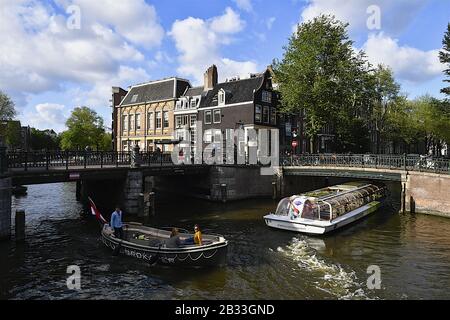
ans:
(56, 55)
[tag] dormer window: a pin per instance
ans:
(178, 106)
(193, 103)
(134, 98)
(221, 97)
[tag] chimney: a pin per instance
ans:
(210, 78)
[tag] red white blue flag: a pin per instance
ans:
(95, 212)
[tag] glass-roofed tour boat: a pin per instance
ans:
(323, 210)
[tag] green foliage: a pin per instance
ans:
(85, 129)
(44, 139)
(10, 133)
(321, 73)
(7, 108)
(444, 57)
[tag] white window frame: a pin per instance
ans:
(221, 97)
(131, 121)
(214, 115)
(158, 116)
(150, 120)
(208, 112)
(193, 120)
(267, 96)
(164, 116)
(137, 121)
(125, 122)
(273, 116)
(268, 114)
(260, 120)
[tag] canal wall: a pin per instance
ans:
(228, 183)
(427, 193)
(5, 208)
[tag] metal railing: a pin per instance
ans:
(82, 159)
(377, 161)
(86, 159)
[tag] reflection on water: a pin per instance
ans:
(413, 253)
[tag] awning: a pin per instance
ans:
(167, 141)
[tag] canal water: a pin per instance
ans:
(412, 252)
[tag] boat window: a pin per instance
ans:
(283, 207)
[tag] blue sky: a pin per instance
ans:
(59, 54)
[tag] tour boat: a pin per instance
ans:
(327, 209)
(151, 244)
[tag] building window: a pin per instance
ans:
(150, 121)
(166, 119)
(221, 97)
(208, 136)
(124, 145)
(193, 120)
(217, 116)
(207, 117)
(150, 147)
(178, 121)
(193, 103)
(124, 123)
(273, 116)
(267, 96)
(131, 121)
(138, 121)
(134, 98)
(178, 105)
(158, 120)
(266, 114)
(258, 113)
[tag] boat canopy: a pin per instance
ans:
(332, 206)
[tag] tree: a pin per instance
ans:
(444, 57)
(385, 96)
(7, 110)
(321, 74)
(44, 139)
(85, 129)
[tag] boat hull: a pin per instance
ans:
(211, 255)
(320, 227)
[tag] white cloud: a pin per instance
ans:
(269, 22)
(230, 22)
(395, 15)
(39, 53)
(198, 42)
(47, 116)
(245, 5)
(408, 63)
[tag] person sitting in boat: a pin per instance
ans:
(296, 207)
(308, 211)
(174, 241)
(116, 223)
(197, 238)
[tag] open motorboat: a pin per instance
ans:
(152, 245)
(323, 210)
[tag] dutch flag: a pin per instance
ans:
(95, 212)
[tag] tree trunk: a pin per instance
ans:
(311, 144)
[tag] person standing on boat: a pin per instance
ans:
(116, 223)
(197, 238)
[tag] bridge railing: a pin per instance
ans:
(379, 161)
(83, 159)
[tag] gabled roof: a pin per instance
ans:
(236, 91)
(165, 89)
